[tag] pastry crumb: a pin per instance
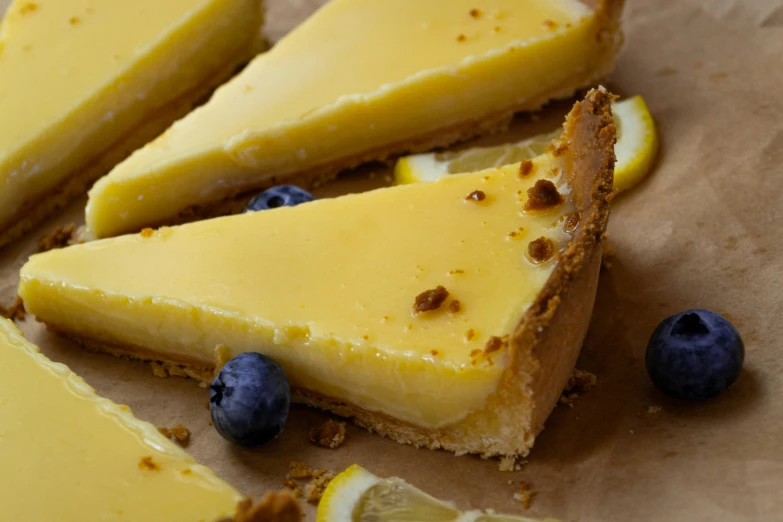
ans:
(147, 232)
(541, 250)
(494, 344)
(461, 38)
(318, 480)
(653, 409)
(430, 299)
(178, 433)
(15, 312)
(470, 334)
(148, 464)
(579, 383)
(525, 495)
(60, 237)
(158, 370)
(275, 506)
(455, 306)
(511, 464)
(330, 434)
(475, 13)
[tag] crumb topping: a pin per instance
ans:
(461, 38)
(454, 272)
(60, 237)
(571, 221)
(494, 344)
(430, 299)
(526, 168)
(455, 306)
(434, 353)
(549, 24)
(148, 464)
(470, 334)
(476, 195)
(147, 232)
(330, 434)
(557, 148)
(543, 196)
(475, 13)
(541, 250)
(15, 312)
(275, 506)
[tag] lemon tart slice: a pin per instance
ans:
(85, 82)
(359, 81)
(69, 455)
(445, 314)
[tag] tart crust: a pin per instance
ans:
(35, 211)
(545, 344)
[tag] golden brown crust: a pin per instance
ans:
(47, 204)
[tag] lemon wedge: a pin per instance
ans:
(636, 149)
(356, 495)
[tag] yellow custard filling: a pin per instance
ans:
(76, 76)
(328, 289)
(71, 456)
(356, 77)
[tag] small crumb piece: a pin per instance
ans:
(454, 272)
(165, 432)
(430, 299)
(181, 434)
(579, 383)
(549, 24)
(571, 221)
(543, 196)
(525, 495)
(455, 306)
(461, 38)
(147, 232)
(474, 353)
(58, 238)
(330, 434)
(652, 410)
(558, 148)
(158, 370)
(507, 464)
(526, 168)
(470, 334)
(147, 464)
(541, 250)
(434, 353)
(275, 506)
(494, 344)
(315, 490)
(476, 195)
(300, 470)
(15, 312)
(475, 13)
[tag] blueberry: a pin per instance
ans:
(280, 196)
(694, 355)
(249, 400)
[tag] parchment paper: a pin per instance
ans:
(702, 231)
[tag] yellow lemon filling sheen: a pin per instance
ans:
(327, 289)
(71, 456)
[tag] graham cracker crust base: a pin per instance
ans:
(543, 347)
(47, 204)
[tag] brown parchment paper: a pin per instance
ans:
(702, 231)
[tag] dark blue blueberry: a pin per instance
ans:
(694, 355)
(280, 196)
(249, 399)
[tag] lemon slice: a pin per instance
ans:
(636, 149)
(356, 495)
